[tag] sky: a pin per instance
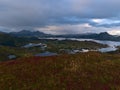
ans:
(61, 16)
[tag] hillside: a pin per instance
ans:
(7, 39)
(52, 46)
(27, 33)
(100, 36)
(68, 72)
(96, 36)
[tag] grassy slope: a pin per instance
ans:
(56, 45)
(85, 71)
(53, 45)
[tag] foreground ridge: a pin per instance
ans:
(85, 71)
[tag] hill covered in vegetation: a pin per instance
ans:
(13, 41)
(97, 36)
(28, 33)
(100, 36)
(52, 46)
(84, 71)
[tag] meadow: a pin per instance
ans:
(83, 71)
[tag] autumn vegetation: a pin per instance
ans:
(83, 71)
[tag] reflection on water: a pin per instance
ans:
(108, 49)
(112, 44)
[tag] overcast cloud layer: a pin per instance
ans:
(60, 16)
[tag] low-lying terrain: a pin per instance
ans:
(84, 71)
(52, 46)
(22, 69)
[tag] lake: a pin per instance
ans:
(111, 44)
(46, 54)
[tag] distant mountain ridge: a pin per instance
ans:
(100, 36)
(27, 33)
(23, 37)
(6, 39)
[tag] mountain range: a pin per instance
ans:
(24, 36)
(8, 39)
(27, 33)
(100, 36)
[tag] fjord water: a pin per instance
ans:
(112, 45)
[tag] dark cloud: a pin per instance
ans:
(33, 14)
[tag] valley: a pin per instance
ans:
(59, 44)
(58, 63)
(56, 46)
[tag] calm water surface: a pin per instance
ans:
(112, 44)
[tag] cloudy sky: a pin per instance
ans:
(60, 16)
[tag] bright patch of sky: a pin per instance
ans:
(105, 21)
(114, 32)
